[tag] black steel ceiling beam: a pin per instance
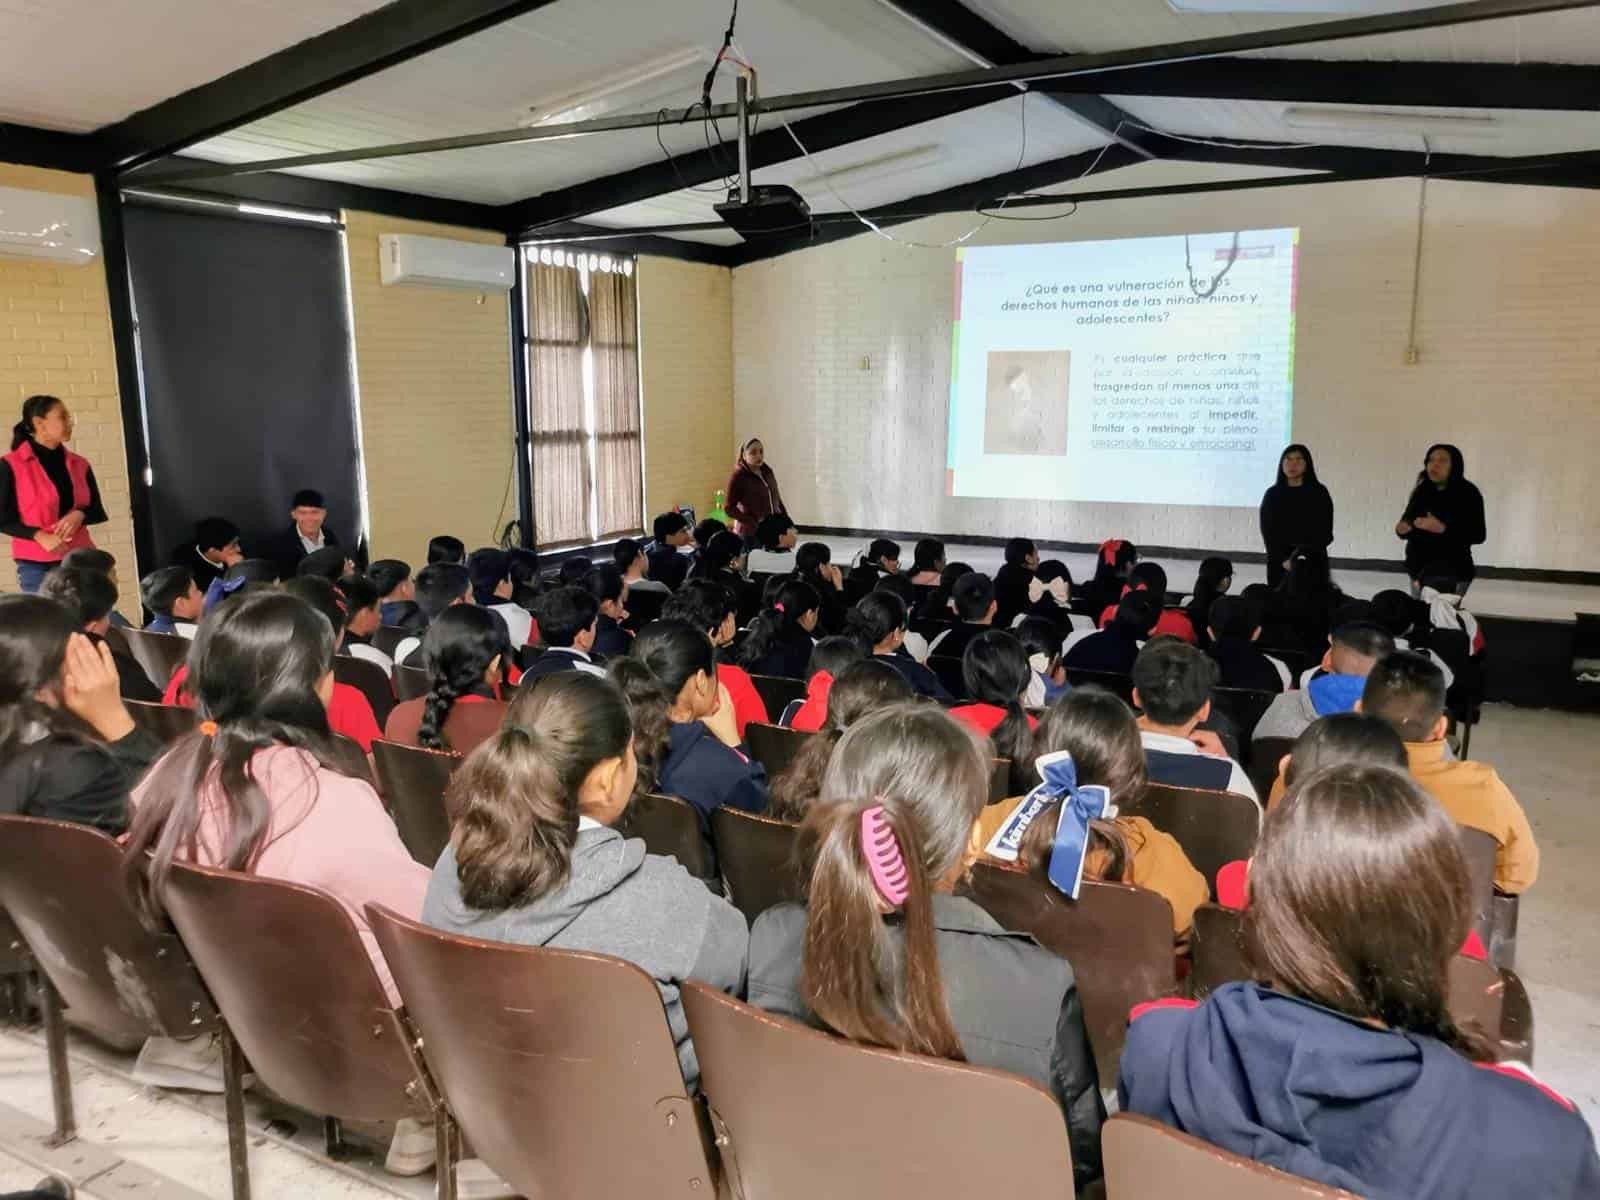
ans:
(1327, 81)
(29, 147)
(373, 42)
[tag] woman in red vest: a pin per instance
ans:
(47, 493)
(752, 489)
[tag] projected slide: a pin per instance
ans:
(1146, 370)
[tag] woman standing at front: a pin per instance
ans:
(1443, 520)
(752, 489)
(1295, 511)
(47, 493)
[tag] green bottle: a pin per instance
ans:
(719, 510)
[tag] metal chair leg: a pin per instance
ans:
(55, 1040)
(333, 1143)
(1466, 740)
(447, 1149)
(233, 1094)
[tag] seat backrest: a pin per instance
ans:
(758, 860)
(999, 779)
(63, 886)
(350, 758)
(1477, 996)
(1216, 949)
(293, 981)
(371, 680)
(411, 683)
(645, 606)
(159, 654)
(164, 722)
(773, 746)
(1293, 657)
(1265, 755)
(948, 669)
(386, 639)
(1479, 849)
(1144, 1158)
(669, 827)
(776, 692)
(1214, 828)
(413, 782)
(558, 1065)
(1246, 706)
(1117, 684)
(1117, 937)
(810, 1115)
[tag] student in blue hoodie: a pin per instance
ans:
(686, 734)
(171, 594)
(1347, 1069)
(1355, 649)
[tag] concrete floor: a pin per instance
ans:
(141, 1144)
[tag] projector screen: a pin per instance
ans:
(1153, 370)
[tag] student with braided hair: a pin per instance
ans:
(466, 651)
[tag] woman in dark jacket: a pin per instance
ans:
(752, 489)
(69, 749)
(1295, 511)
(1443, 519)
(887, 954)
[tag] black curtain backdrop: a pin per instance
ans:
(245, 342)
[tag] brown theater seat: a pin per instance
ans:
(999, 780)
(1146, 1160)
(159, 654)
(164, 722)
(1265, 755)
(1118, 684)
(301, 998)
(1216, 950)
(757, 857)
(1479, 849)
(368, 678)
(669, 827)
(386, 639)
(806, 1116)
(413, 782)
(1214, 828)
(558, 1065)
(777, 693)
(411, 683)
(1117, 937)
(63, 886)
(773, 746)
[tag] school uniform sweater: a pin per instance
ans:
(1475, 796)
(700, 769)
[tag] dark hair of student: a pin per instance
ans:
(604, 583)
(213, 533)
(1208, 587)
(875, 618)
(162, 588)
(88, 595)
(522, 566)
(488, 568)
(564, 613)
(323, 597)
(1151, 576)
(33, 648)
(572, 570)
(91, 558)
(900, 585)
(833, 655)
(770, 530)
(930, 778)
(1174, 680)
(517, 793)
(1234, 616)
(994, 666)
(387, 574)
(457, 650)
(253, 670)
(34, 408)
(1344, 738)
(707, 529)
(1111, 566)
(1137, 614)
(1100, 733)
(973, 594)
(937, 606)
(252, 570)
(927, 555)
(326, 563)
(1397, 612)
(1051, 569)
(439, 585)
(624, 553)
(862, 687)
(1310, 478)
(810, 557)
(1018, 549)
(1038, 635)
(1359, 899)
(359, 595)
(668, 523)
(665, 656)
(446, 549)
(1358, 645)
(878, 550)
(780, 618)
(703, 603)
(718, 556)
(1407, 690)
(1310, 575)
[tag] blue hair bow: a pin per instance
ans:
(1078, 806)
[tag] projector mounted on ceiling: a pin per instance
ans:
(774, 208)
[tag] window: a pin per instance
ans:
(583, 397)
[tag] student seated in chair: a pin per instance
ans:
(1407, 691)
(450, 551)
(995, 669)
(567, 625)
(610, 592)
(1114, 648)
(105, 562)
(672, 552)
(213, 549)
(1235, 625)
(1347, 1069)
(1355, 649)
(972, 597)
(90, 597)
(1012, 579)
(466, 652)
(439, 586)
(397, 594)
(534, 859)
(830, 656)
(1172, 684)
(490, 571)
(927, 563)
(773, 552)
(864, 686)
(880, 623)
(178, 603)
(885, 953)
(1152, 577)
(633, 564)
(780, 639)
(711, 608)
(362, 616)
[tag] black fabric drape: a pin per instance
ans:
(246, 342)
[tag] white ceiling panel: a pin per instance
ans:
(1514, 131)
(79, 64)
(488, 81)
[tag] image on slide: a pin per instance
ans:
(1026, 408)
(1152, 370)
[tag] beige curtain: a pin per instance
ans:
(556, 336)
(614, 333)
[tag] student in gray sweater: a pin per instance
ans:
(533, 859)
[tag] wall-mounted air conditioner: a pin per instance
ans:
(44, 225)
(442, 262)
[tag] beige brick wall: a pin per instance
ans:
(1509, 330)
(436, 418)
(686, 366)
(55, 337)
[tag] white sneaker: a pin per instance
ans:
(412, 1150)
(193, 1064)
(475, 1181)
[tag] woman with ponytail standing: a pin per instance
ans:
(465, 650)
(534, 859)
(47, 493)
(752, 489)
(884, 951)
